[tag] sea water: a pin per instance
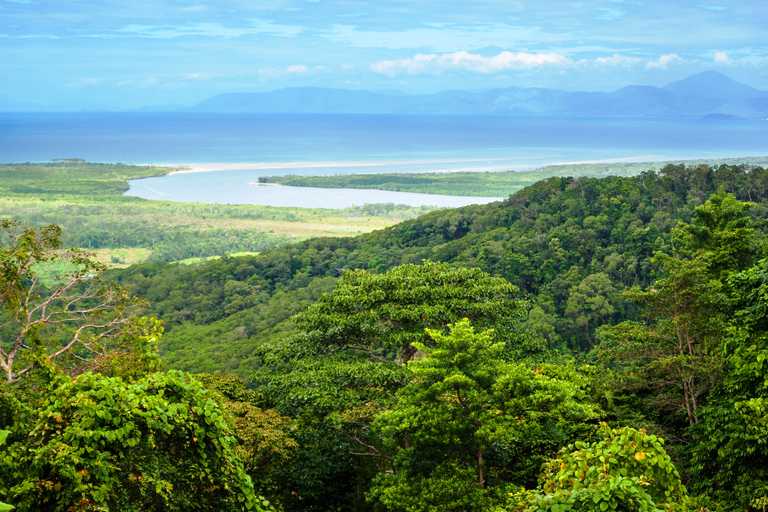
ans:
(347, 143)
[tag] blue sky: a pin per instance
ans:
(143, 52)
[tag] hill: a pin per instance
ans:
(705, 94)
(572, 245)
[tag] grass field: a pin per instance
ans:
(87, 201)
(121, 257)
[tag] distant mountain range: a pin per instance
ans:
(707, 94)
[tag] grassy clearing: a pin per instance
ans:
(86, 201)
(121, 257)
(190, 261)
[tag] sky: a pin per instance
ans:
(127, 54)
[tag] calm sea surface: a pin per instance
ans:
(331, 144)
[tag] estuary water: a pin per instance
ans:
(346, 143)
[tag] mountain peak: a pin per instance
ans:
(711, 84)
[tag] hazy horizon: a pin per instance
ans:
(120, 56)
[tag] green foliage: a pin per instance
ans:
(471, 425)
(728, 459)
(626, 470)
(264, 437)
(101, 443)
(336, 377)
(388, 312)
(53, 306)
(679, 348)
(4, 507)
(571, 245)
(492, 184)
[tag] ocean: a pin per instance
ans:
(345, 143)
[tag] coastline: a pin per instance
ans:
(185, 168)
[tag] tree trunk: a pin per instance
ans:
(480, 480)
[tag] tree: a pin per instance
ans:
(384, 313)
(264, 437)
(676, 355)
(728, 457)
(679, 349)
(354, 355)
(101, 443)
(52, 304)
(471, 425)
(4, 507)
(626, 470)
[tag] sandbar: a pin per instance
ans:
(183, 168)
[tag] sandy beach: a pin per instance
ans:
(212, 167)
(183, 168)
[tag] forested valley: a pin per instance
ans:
(586, 344)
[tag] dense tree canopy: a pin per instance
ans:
(401, 370)
(571, 245)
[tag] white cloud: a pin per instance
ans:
(664, 61)
(617, 60)
(722, 58)
(297, 68)
(465, 61)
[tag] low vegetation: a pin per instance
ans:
(489, 184)
(86, 200)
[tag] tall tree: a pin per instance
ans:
(355, 354)
(677, 351)
(730, 449)
(388, 312)
(52, 304)
(471, 426)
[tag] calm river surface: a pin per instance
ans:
(233, 187)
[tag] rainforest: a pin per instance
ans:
(589, 343)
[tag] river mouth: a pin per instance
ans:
(237, 187)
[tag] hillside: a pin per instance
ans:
(571, 245)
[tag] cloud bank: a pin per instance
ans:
(465, 61)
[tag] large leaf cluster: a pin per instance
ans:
(100, 443)
(626, 470)
(391, 311)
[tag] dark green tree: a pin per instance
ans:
(388, 312)
(471, 426)
(728, 457)
(353, 356)
(678, 350)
